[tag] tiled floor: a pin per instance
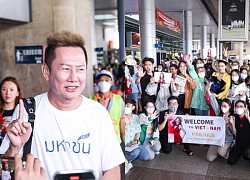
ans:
(179, 166)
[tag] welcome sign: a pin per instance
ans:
(196, 130)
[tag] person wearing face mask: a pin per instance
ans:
(230, 132)
(235, 65)
(149, 136)
(130, 130)
(198, 102)
(186, 91)
(244, 72)
(199, 63)
(166, 116)
(242, 125)
(112, 102)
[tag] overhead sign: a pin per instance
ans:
(29, 54)
(165, 20)
(233, 20)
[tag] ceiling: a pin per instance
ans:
(205, 13)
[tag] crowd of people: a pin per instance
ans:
(214, 87)
(132, 106)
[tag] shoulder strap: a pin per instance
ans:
(30, 106)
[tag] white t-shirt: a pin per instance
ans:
(5, 175)
(81, 139)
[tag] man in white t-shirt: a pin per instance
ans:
(71, 132)
(5, 172)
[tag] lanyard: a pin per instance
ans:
(108, 105)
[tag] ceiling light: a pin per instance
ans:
(104, 16)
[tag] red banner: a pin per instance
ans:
(165, 20)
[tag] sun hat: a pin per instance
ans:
(216, 62)
(129, 60)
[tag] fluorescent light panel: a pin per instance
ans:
(104, 16)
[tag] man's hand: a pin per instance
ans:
(140, 72)
(32, 170)
(19, 131)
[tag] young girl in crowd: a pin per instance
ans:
(133, 149)
(226, 112)
(10, 95)
(149, 136)
(242, 128)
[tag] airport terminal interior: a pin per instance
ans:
(165, 30)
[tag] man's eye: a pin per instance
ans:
(65, 69)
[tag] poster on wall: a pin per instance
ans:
(233, 20)
(29, 54)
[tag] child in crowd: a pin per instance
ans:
(149, 136)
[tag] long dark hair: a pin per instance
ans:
(11, 79)
(229, 103)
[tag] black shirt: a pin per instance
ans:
(8, 113)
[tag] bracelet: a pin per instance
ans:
(136, 141)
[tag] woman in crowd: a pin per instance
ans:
(186, 91)
(221, 78)
(149, 136)
(10, 95)
(133, 149)
(230, 131)
(242, 125)
(131, 88)
(198, 102)
(244, 72)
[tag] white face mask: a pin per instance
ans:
(104, 86)
(239, 111)
(150, 110)
(201, 74)
(128, 110)
(199, 65)
(173, 108)
(224, 110)
(234, 67)
(243, 76)
(159, 69)
(235, 78)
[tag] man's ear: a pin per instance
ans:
(45, 71)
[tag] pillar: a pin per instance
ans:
(147, 28)
(187, 33)
(203, 41)
(121, 29)
(78, 16)
(212, 40)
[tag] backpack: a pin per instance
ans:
(30, 107)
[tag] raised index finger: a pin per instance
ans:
(21, 111)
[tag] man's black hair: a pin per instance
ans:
(172, 98)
